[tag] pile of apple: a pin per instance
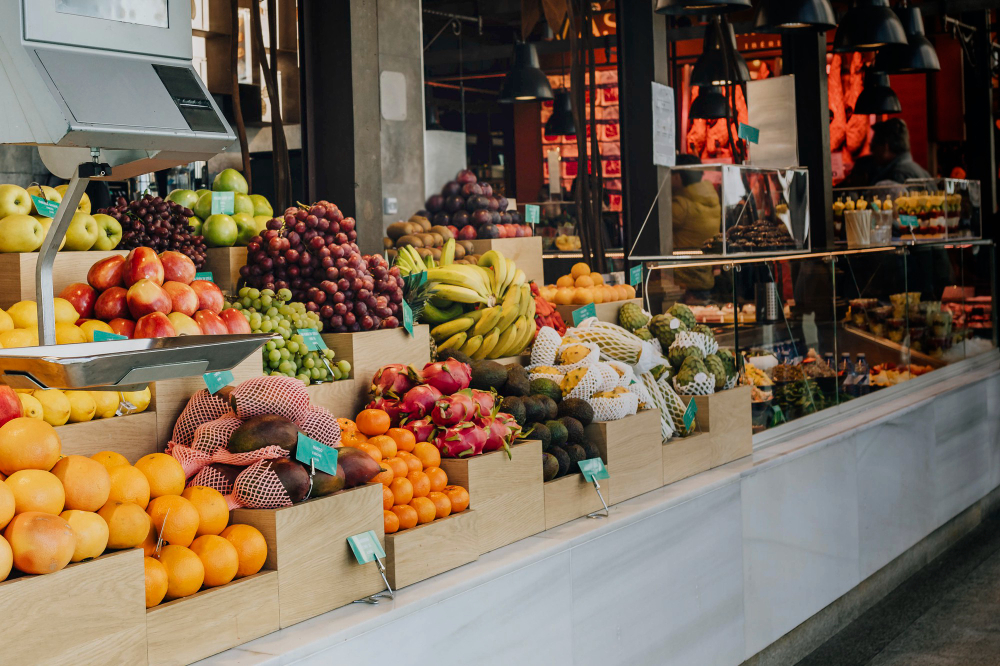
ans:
(23, 227)
(250, 211)
(145, 295)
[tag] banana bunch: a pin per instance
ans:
(410, 262)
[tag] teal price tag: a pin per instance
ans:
(310, 452)
(593, 469)
(690, 413)
(407, 318)
(44, 206)
(313, 340)
(748, 133)
(207, 276)
(532, 214)
(223, 202)
(635, 276)
(101, 336)
(585, 312)
(216, 380)
(366, 547)
(909, 221)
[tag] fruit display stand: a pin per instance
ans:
(216, 619)
(17, 272)
(133, 435)
(88, 613)
(631, 448)
(570, 497)
(506, 493)
(307, 546)
(723, 434)
(224, 263)
(526, 252)
(603, 311)
(427, 550)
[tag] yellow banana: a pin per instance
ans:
(498, 263)
(519, 278)
(415, 258)
(461, 275)
(488, 277)
(472, 345)
(526, 300)
(505, 340)
(454, 342)
(458, 294)
(487, 321)
(448, 329)
(476, 315)
(448, 254)
(489, 342)
(510, 309)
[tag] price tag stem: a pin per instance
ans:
(598, 514)
(388, 593)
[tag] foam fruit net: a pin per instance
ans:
(201, 408)
(258, 487)
(212, 476)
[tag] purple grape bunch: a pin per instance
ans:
(157, 223)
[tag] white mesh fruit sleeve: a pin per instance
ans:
(546, 346)
(703, 384)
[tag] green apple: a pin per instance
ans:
(82, 232)
(203, 207)
(46, 223)
(45, 192)
(195, 223)
(261, 206)
(242, 204)
(230, 180)
(201, 192)
(20, 233)
(109, 232)
(186, 198)
(247, 226)
(83, 206)
(261, 222)
(14, 200)
(220, 230)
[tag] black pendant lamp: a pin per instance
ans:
(709, 104)
(877, 97)
(676, 7)
(791, 15)
(868, 25)
(710, 68)
(561, 121)
(918, 56)
(525, 82)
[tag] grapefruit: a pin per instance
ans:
(27, 443)
(91, 533)
(41, 543)
(35, 490)
(128, 524)
(86, 482)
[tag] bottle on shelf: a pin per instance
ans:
(829, 360)
(862, 375)
(845, 375)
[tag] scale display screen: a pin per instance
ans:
(153, 13)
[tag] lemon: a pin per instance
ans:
(65, 312)
(6, 323)
(24, 314)
(32, 408)
(82, 406)
(19, 337)
(107, 403)
(140, 399)
(92, 325)
(67, 334)
(55, 406)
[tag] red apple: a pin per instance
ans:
(183, 324)
(107, 273)
(453, 229)
(235, 322)
(111, 304)
(177, 267)
(82, 296)
(124, 327)
(145, 297)
(182, 297)
(143, 264)
(210, 323)
(154, 325)
(209, 295)
(10, 404)
(467, 233)
(501, 231)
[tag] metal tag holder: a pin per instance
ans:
(607, 511)
(387, 593)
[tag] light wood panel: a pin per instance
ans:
(570, 497)
(307, 545)
(631, 449)
(526, 252)
(522, 359)
(89, 613)
(427, 550)
(186, 630)
(604, 311)
(17, 272)
(506, 493)
(341, 398)
(132, 436)
(225, 264)
(723, 434)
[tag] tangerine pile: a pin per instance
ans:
(583, 286)
(415, 489)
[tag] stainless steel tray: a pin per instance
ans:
(124, 365)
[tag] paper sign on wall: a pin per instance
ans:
(664, 126)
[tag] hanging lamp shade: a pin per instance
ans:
(790, 15)
(676, 7)
(525, 81)
(561, 121)
(877, 97)
(868, 25)
(918, 56)
(710, 68)
(709, 104)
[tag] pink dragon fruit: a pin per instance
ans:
(453, 409)
(461, 441)
(448, 376)
(390, 407)
(394, 380)
(485, 400)
(422, 429)
(418, 402)
(513, 429)
(496, 435)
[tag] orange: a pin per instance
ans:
(565, 281)
(428, 454)
(583, 296)
(420, 482)
(86, 482)
(35, 490)
(91, 533)
(28, 444)
(426, 509)
(391, 521)
(412, 462)
(176, 519)
(219, 557)
(407, 516)
(7, 505)
(40, 543)
(250, 546)
(442, 504)
(156, 581)
(164, 473)
(629, 291)
(347, 425)
(437, 477)
(128, 524)
(386, 444)
(129, 485)
(213, 513)
(372, 450)
(579, 269)
(563, 296)
(403, 437)
(584, 281)
(110, 459)
(597, 278)
(598, 294)
(185, 572)
(402, 490)
(399, 466)
(148, 544)
(388, 498)
(373, 422)
(6, 559)
(459, 497)
(385, 476)
(352, 438)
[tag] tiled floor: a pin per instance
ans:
(947, 614)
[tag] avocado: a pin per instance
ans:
(542, 434)
(517, 381)
(535, 409)
(576, 454)
(560, 455)
(515, 407)
(550, 407)
(558, 432)
(445, 354)
(264, 430)
(578, 409)
(591, 450)
(574, 430)
(488, 375)
(550, 467)
(545, 386)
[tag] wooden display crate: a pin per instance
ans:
(506, 493)
(631, 448)
(225, 263)
(427, 550)
(192, 628)
(133, 436)
(17, 272)
(340, 398)
(525, 252)
(570, 497)
(89, 613)
(307, 545)
(604, 311)
(723, 434)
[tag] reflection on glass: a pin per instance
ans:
(153, 13)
